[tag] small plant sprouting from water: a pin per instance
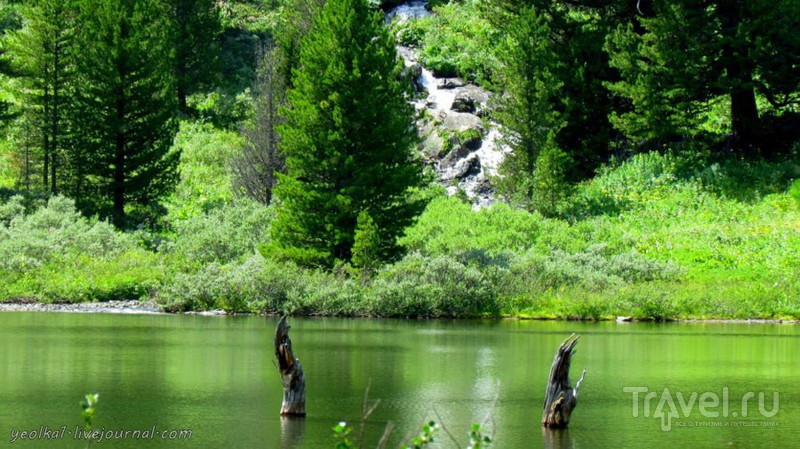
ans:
(88, 405)
(341, 432)
(424, 438)
(477, 440)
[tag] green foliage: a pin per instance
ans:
(42, 56)
(439, 286)
(196, 27)
(367, 244)
(205, 183)
(451, 227)
(526, 113)
(550, 187)
(88, 414)
(8, 176)
(234, 287)
(347, 140)
(458, 41)
(411, 33)
(125, 112)
(688, 55)
(222, 235)
(53, 253)
(795, 190)
(477, 440)
(341, 433)
(255, 166)
(425, 438)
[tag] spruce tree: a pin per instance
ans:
(691, 55)
(348, 140)
(41, 55)
(526, 111)
(125, 109)
(196, 26)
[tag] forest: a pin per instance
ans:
(267, 156)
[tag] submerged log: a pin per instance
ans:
(560, 398)
(292, 378)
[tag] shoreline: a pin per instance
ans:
(134, 307)
(131, 307)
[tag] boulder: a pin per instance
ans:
(470, 99)
(470, 165)
(412, 73)
(461, 122)
(454, 157)
(450, 83)
(464, 103)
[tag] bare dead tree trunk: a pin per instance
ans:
(292, 378)
(560, 398)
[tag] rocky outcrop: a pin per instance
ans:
(457, 138)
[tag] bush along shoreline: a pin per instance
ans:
(643, 240)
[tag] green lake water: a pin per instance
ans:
(216, 377)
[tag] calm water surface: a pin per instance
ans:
(216, 376)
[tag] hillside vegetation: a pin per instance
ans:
(693, 216)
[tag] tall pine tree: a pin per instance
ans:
(196, 27)
(690, 55)
(41, 54)
(125, 113)
(348, 140)
(526, 112)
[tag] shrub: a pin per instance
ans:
(432, 287)
(205, 179)
(455, 43)
(54, 253)
(449, 227)
(221, 235)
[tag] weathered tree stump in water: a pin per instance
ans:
(294, 383)
(560, 398)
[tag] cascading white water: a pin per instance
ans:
(438, 102)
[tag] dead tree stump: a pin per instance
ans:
(294, 383)
(560, 398)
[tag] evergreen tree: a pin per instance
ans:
(297, 18)
(693, 54)
(41, 56)
(550, 186)
(254, 170)
(9, 21)
(554, 66)
(125, 108)
(196, 27)
(526, 111)
(348, 140)
(367, 244)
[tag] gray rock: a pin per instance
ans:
(450, 83)
(463, 103)
(413, 74)
(461, 122)
(470, 99)
(452, 158)
(471, 165)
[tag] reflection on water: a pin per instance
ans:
(217, 377)
(292, 431)
(557, 439)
